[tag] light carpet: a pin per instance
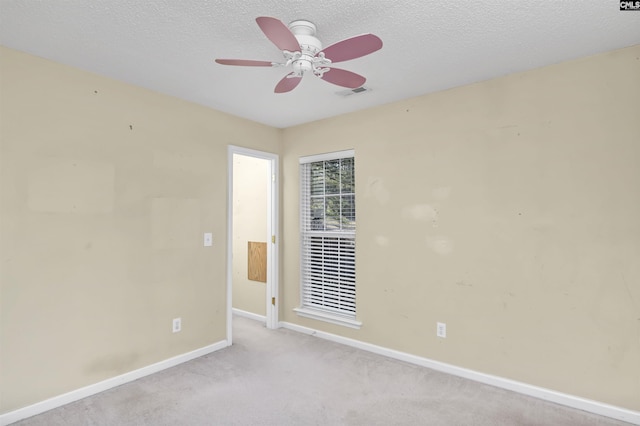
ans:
(281, 377)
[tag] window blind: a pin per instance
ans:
(328, 226)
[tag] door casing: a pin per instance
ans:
(273, 242)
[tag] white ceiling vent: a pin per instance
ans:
(357, 90)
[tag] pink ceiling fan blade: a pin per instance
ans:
(343, 78)
(244, 62)
(353, 47)
(278, 33)
(287, 84)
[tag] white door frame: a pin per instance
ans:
(273, 218)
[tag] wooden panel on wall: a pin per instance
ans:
(257, 261)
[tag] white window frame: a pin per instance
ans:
(306, 309)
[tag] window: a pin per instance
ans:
(328, 238)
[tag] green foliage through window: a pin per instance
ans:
(332, 205)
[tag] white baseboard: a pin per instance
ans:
(500, 382)
(250, 315)
(60, 400)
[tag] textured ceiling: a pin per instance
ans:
(170, 45)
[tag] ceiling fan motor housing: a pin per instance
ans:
(304, 32)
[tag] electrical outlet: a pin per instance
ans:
(177, 325)
(441, 329)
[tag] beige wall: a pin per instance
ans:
(507, 209)
(106, 192)
(250, 178)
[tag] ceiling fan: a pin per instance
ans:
(304, 52)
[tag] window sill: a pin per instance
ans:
(328, 317)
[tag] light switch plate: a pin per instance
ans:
(208, 239)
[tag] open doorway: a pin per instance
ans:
(252, 276)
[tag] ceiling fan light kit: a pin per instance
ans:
(303, 51)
